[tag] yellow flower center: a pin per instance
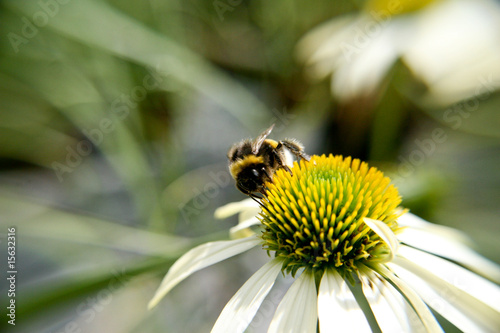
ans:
(313, 218)
(396, 7)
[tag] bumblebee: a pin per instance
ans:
(252, 163)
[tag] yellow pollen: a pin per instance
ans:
(313, 217)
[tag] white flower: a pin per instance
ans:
(403, 264)
(453, 46)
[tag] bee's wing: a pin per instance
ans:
(260, 139)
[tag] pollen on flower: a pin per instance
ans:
(313, 218)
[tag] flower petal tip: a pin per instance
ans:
(385, 233)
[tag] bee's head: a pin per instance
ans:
(252, 178)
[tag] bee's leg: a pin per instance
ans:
(280, 158)
(284, 166)
(268, 175)
(256, 199)
(295, 148)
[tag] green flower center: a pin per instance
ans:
(313, 218)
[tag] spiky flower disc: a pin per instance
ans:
(313, 218)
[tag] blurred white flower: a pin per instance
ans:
(453, 46)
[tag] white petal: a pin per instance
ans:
(249, 212)
(200, 257)
(384, 232)
(242, 227)
(482, 289)
(297, 311)
(337, 308)
(240, 310)
(367, 58)
(445, 242)
(234, 208)
(391, 310)
(322, 43)
(322, 48)
(462, 310)
(422, 310)
(418, 223)
(450, 56)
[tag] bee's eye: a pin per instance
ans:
(255, 173)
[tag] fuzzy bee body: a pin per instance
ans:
(252, 163)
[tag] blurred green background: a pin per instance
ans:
(115, 118)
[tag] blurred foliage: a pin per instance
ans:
(115, 118)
